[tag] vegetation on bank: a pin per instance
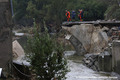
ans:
(53, 11)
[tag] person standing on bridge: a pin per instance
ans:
(73, 14)
(80, 15)
(68, 15)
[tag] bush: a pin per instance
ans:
(46, 56)
(111, 12)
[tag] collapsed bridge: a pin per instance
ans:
(108, 24)
(90, 37)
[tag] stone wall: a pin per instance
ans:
(5, 34)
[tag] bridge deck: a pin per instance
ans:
(102, 23)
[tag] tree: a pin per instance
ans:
(20, 9)
(113, 10)
(46, 56)
(53, 11)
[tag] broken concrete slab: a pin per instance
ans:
(19, 54)
(18, 51)
(67, 37)
(80, 50)
(93, 39)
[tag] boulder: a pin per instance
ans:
(18, 51)
(19, 54)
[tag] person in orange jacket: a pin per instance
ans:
(80, 15)
(68, 15)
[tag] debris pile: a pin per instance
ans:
(91, 61)
(99, 62)
(114, 33)
(90, 38)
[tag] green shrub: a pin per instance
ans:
(46, 56)
(109, 14)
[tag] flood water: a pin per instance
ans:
(80, 72)
(77, 70)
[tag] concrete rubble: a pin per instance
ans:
(19, 54)
(18, 51)
(101, 61)
(91, 38)
(91, 61)
(78, 71)
(100, 45)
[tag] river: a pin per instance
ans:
(80, 72)
(77, 70)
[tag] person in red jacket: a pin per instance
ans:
(80, 15)
(68, 15)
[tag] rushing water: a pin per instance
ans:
(80, 72)
(77, 70)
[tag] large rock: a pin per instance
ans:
(93, 39)
(18, 52)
